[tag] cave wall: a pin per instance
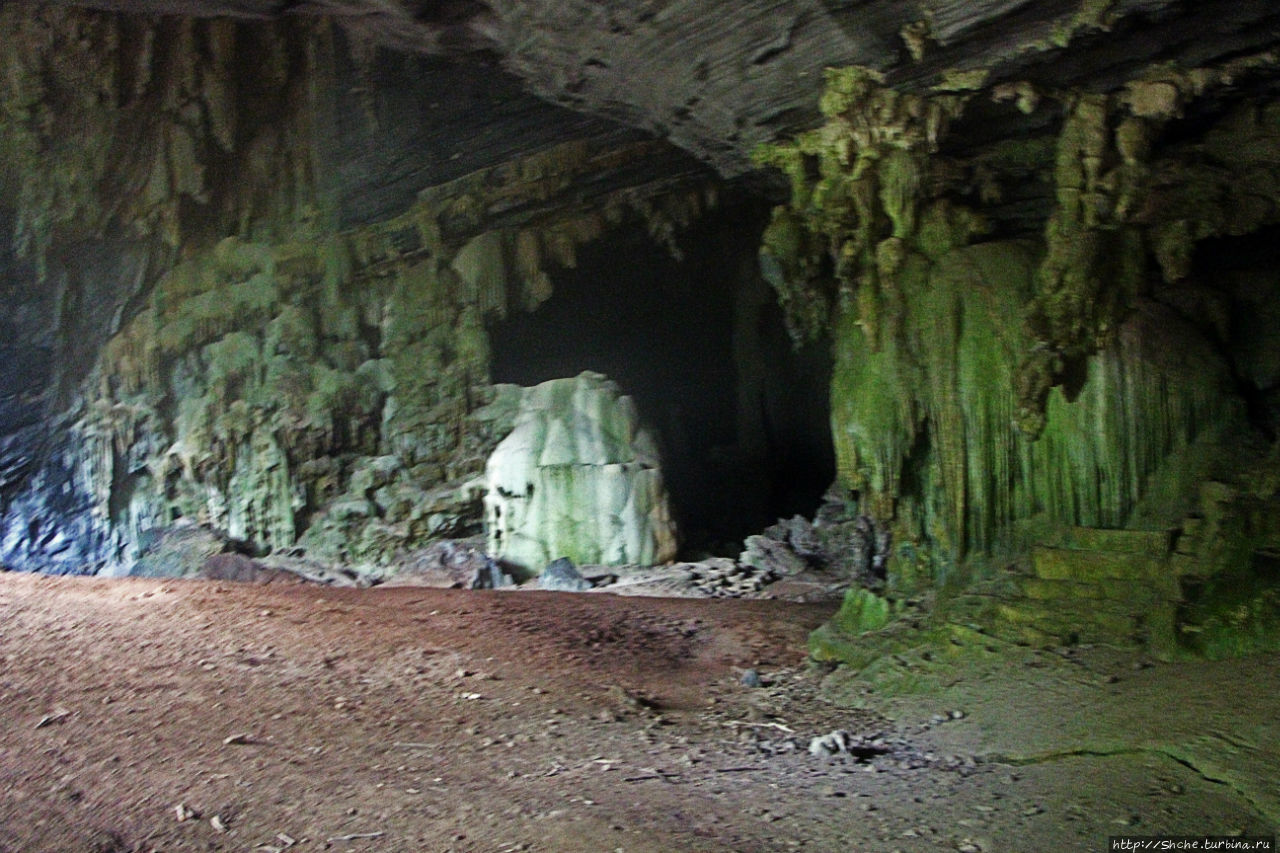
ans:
(252, 275)
(260, 272)
(993, 384)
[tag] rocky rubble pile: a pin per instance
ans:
(794, 559)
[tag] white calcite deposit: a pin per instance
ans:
(579, 478)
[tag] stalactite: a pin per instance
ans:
(270, 347)
(870, 159)
(931, 378)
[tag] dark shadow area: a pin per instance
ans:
(742, 418)
(1238, 281)
(399, 125)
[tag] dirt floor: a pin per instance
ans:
(143, 715)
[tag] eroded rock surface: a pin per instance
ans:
(577, 477)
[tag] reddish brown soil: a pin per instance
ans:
(308, 718)
(441, 719)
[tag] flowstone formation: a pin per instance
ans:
(995, 389)
(255, 397)
(324, 398)
(246, 340)
(578, 477)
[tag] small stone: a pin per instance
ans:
(829, 744)
(750, 678)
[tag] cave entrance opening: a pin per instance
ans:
(697, 339)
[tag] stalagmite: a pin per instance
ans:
(577, 477)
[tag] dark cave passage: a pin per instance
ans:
(742, 418)
(1241, 309)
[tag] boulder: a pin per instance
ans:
(181, 551)
(563, 576)
(771, 557)
(579, 478)
(244, 569)
(197, 551)
(450, 564)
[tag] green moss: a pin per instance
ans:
(924, 427)
(874, 415)
(864, 611)
(957, 429)
(956, 80)
(234, 357)
(856, 182)
(1236, 613)
(1094, 265)
(930, 379)
(916, 36)
(1024, 95)
(1092, 15)
(848, 87)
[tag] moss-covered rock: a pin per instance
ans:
(940, 390)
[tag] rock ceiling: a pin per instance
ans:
(718, 77)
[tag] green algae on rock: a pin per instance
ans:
(856, 183)
(955, 421)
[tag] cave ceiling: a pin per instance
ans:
(719, 77)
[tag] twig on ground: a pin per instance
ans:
(779, 726)
(50, 719)
(355, 836)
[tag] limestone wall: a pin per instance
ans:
(991, 385)
(577, 477)
(258, 314)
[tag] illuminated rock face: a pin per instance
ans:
(579, 478)
(250, 273)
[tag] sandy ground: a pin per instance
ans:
(142, 715)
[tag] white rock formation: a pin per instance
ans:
(578, 478)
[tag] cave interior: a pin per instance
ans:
(943, 294)
(960, 319)
(941, 340)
